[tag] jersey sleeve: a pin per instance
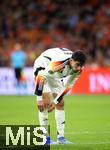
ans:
(71, 80)
(67, 87)
(61, 94)
(40, 79)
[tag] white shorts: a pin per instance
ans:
(53, 85)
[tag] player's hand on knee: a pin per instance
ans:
(41, 105)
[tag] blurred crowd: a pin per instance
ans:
(41, 24)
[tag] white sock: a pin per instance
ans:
(60, 122)
(43, 118)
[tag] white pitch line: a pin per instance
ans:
(88, 132)
(94, 143)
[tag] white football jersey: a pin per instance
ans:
(54, 63)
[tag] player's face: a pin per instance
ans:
(75, 65)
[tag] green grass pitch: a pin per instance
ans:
(87, 119)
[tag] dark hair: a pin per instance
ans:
(79, 56)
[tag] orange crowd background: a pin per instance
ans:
(42, 24)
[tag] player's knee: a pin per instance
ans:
(46, 101)
(60, 105)
(46, 98)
